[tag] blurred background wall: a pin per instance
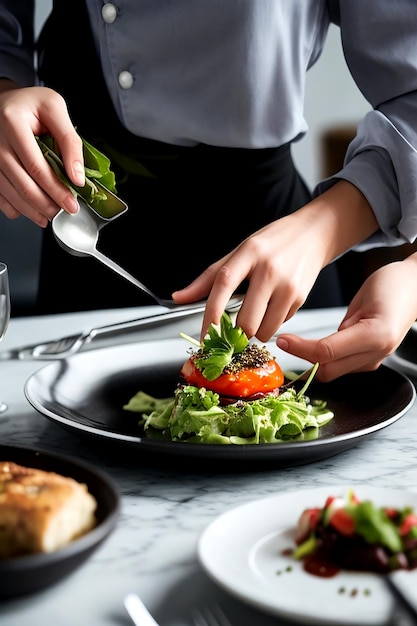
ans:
(332, 101)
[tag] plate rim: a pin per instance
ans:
(405, 366)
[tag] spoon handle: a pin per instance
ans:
(122, 272)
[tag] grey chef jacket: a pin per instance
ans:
(232, 73)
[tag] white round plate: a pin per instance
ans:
(243, 552)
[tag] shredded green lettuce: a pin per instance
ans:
(195, 415)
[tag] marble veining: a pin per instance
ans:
(153, 550)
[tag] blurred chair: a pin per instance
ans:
(354, 267)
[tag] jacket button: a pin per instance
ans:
(109, 13)
(125, 80)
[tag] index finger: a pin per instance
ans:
(229, 275)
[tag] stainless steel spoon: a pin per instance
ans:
(78, 234)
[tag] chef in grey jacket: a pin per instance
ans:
(197, 104)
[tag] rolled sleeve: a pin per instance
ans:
(380, 47)
(382, 164)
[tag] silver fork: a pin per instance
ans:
(210, 616)
(104, 335)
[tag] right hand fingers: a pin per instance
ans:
(274, 291)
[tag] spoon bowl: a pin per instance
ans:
(78, 234)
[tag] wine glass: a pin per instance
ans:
(4, 309)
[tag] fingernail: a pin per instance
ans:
(79, 173)
(282, 343)
(70, 204)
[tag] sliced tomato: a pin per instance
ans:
(343, 522)
(410, 521)
(390, 512)
(242, 384)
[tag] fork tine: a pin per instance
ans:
(210, 616)
(60, 346)
(57, 347)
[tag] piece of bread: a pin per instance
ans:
(41, 511)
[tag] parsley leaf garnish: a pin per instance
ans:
(219, 346)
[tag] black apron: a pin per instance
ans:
(200, 203)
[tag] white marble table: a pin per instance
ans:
(153, 548)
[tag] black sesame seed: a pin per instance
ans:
(252, 357)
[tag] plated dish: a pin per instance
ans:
(86, 393)
(244, 552)
(28, 574)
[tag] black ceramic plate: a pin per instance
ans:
(86, 393)
(27, 574)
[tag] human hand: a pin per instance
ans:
(281, 262)
(28, 185)
(375, 323)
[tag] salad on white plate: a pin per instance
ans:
(249, 551)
